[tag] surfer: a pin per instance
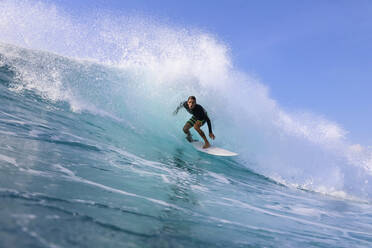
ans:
(199, 117)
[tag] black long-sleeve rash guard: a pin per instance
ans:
(199, 113)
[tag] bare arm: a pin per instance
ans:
(209, 124)
(178, 108)
(210, 128)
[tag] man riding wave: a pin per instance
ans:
(198, 119)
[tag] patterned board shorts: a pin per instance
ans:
(193, 120)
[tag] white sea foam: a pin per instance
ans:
(8, 133)
(199, 188)
(64, 170)
(13, 121)
(224, 221)
(220, 178)
(37, 172)
(165, 179)
(136, 160)
(122, 192)
(71, 176)
(9, 160)
(343, 230)
(306, 211)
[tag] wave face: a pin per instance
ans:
(89, 144)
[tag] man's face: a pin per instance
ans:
(191, 103)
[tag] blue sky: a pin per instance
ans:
(314, 55)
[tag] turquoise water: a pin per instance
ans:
(91, 155)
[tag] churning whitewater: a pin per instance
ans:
(91, 155)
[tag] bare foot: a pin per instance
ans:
(206, 145)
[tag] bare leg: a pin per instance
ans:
(201, 133)
(186, 130)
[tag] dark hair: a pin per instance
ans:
(191, 97)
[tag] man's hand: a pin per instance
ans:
(211, 135)
(177, 109)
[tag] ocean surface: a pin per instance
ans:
(91, 155)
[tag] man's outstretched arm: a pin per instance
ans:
(178, 108)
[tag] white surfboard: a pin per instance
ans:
(198, 145)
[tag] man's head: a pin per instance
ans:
(191, 102)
